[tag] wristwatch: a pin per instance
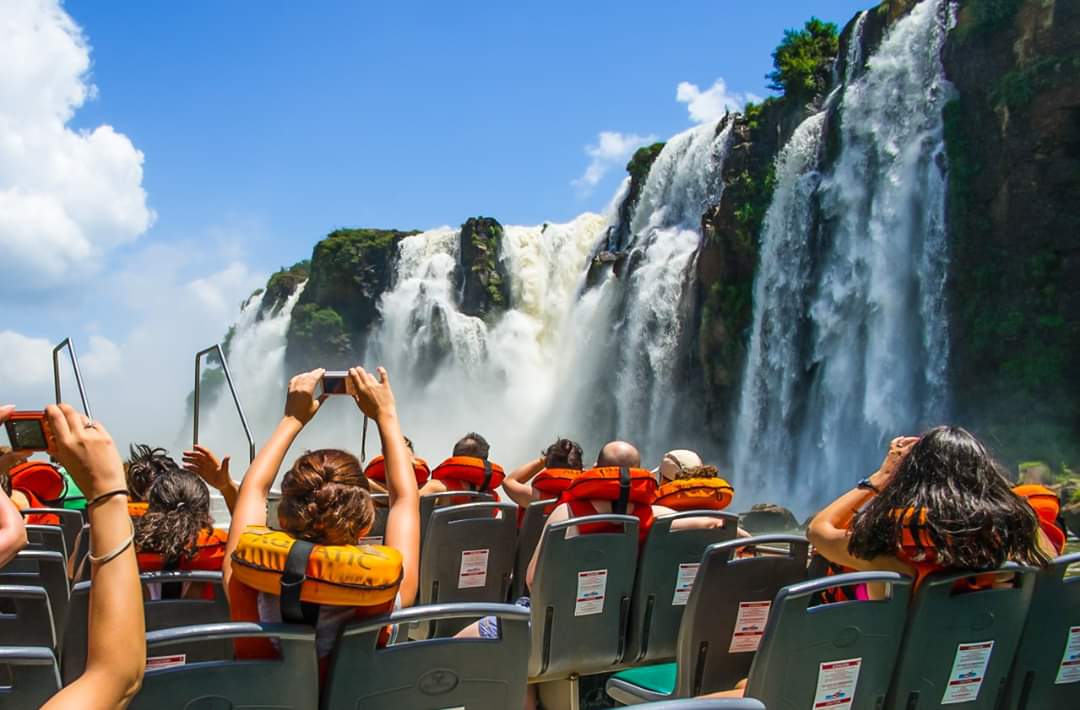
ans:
(866, 485)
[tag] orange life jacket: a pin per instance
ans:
(552, 482)
(366, 577)
(137, 509)
(1047, 507)
(209, 554)
(376, 470)
(620, 485)
(695, 494)
(919, 550)
(42, 485)
(468, 473)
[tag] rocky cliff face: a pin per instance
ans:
(481, 276)
(349, 270)
(1013, 137)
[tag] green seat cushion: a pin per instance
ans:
(659, 677)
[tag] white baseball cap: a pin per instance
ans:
(675, 461)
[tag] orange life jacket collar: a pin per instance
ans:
(376, 470)
(479, 474)
(695, 494)
(552, 482)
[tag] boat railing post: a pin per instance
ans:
(232, 389)
(66, 343)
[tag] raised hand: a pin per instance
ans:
(373, 396)
(301, 402)
(899, 448)
(202, 462)
(86, 450)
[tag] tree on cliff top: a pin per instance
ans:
(804, 59)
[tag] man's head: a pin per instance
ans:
(618, 453)
(675, 462)
(472, 444)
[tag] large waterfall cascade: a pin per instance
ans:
(849, 346)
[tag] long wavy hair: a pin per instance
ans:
(325, 499)
(973, 518)
(178, 509)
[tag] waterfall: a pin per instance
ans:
(851, 351)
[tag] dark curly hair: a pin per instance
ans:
(325, 499)
(973, 518)
(472, 444)
(564, 453)
(178, 509)
(145, 464)
(705, 471)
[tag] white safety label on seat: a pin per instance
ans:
(836, 681)
(474, 565)
(1069, 670)
(376, 540)
(159, 662)
(968, 671)
(749, 626)
(684, 583)
(591, 588)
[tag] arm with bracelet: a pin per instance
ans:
(116, 655)
(12, 528)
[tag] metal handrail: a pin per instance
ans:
(66, 342)
(216, 347)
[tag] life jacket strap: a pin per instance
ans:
(487, 476)
(293, 611)
(619, 508)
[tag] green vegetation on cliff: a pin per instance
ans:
(485, 283)
(283, 284)
(803, 61)
(642, 160)
(349, 270)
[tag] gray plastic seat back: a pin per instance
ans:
(433, 673)
(710, 657)
(33, 677)
(429, 502)
(1046, 670)
(290, 682)
(951, 633)
(47, 538)
(665, 575)
(528, 537)
(71, 522)
(811, 655)
(467, 556)
(159, 614)
(38, 568)
(26, 618)
(581, 597)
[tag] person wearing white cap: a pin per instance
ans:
(675, 462)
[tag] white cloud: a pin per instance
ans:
(713, 103)
(612, 149)
(66, 196)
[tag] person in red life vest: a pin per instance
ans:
(35, 484)
(376, 469)
(547, 477)
(325, 505)
(937, 502)
(144, 465)
(1047, 507)
(468, 469)
(12, 526)
(203, 463)
(177, 532)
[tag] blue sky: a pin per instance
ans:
(159, 160)
(295, 118)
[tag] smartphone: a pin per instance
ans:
(336, 382)
(28, 431)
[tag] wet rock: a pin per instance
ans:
(481, 276)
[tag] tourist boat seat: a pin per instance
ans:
(724, 585)
(668, 558)
(437, 672)
(528, 537)
(467, 556)
(289, 682)
(27, 619)
(45, 569)
(71, 522)
(943, 620)
(31, 677)
(429, 502)
(47, 538)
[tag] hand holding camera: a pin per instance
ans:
(86, 450)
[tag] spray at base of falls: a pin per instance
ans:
(823, 394)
